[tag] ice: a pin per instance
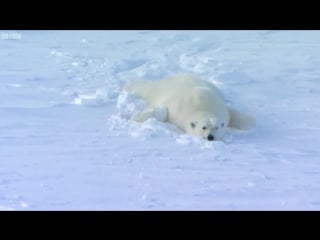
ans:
(68, 141)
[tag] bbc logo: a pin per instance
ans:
(10, 36)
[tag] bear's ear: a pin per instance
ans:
(193, 124)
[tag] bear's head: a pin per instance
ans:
(208, 128)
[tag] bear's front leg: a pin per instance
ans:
(159, 113)
(239, 120)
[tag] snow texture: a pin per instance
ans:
(67, 141)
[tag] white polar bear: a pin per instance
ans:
(191, 104)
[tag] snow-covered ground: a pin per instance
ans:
(66, 142)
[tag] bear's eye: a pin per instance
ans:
(222, 124)
(204, 128)
(192, 124)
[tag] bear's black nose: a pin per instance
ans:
(210, 137)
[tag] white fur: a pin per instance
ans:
(195, 106)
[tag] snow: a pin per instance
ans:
(67, 141)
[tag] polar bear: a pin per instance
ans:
(193, 105)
